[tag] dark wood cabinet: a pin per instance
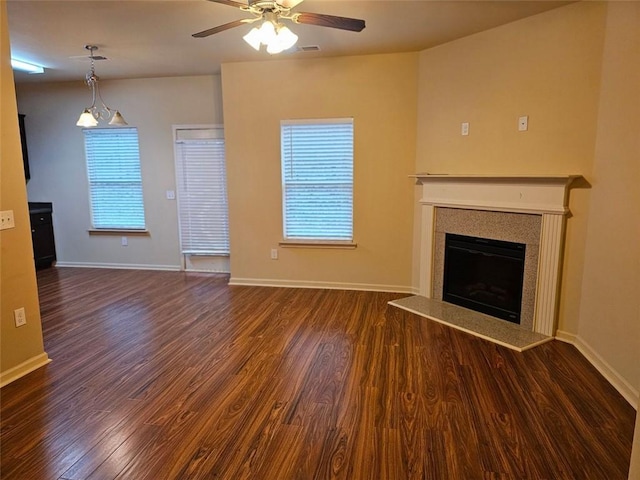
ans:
(44, 247)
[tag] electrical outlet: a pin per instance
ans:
(464, 129)
(124, 241)
(274, 254)
(20, 316)
(6, 219)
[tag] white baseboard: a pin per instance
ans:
(270, 282)
(202, 270)
(23, 369)
(566, 337)
(121, 266)
(614, 378)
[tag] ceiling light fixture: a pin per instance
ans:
(275, 36)
(90, 116)
(26, 67)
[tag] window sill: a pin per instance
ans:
(118, 232)
(317, 244)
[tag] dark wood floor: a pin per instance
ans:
(166, 375)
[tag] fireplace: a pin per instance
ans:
(485, 275)
(530, 210)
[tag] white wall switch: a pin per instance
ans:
(523, 123)
(274, 254)
(124, 241)
(6, 219)
(20, 316)
(464, 128)
(171, 195)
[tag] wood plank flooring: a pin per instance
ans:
(167, 375)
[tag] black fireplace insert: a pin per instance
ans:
(484, 275)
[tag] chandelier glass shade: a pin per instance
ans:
(98, 110)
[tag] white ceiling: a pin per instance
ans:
(152, 38)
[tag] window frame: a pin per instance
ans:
(316, 242)
(100, 229)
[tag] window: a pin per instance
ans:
(202, 191)
(317, 179)
(115, 183)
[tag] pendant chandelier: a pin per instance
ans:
(91, 115)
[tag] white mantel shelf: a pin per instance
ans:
(508, 193)
(499, 177)
(545, 195)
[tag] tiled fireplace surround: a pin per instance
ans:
(524, 209)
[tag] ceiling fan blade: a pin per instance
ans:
(222, 28)
(321, 20)
(231, 3)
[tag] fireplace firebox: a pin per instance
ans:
(484, 275)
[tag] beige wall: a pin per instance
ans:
(547, 67)
(610, 297)
(58, 169)
(380, 93)
(21, 347)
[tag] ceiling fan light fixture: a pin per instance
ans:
(267, 32)
(271, 33)
(253, 38)
(286, 38)
(275, 37)
(274, 48)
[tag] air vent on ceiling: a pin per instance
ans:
(308, 48)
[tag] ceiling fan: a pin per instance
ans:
(276, 36)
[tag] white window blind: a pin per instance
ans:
(202, 192)
(317, 179)
(115, 182)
